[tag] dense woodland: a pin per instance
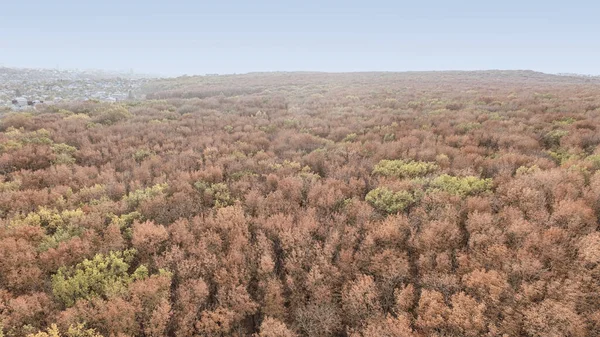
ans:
(299, 204)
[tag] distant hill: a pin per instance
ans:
(231, 85)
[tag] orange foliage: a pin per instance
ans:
(241, 205)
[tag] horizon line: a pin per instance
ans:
(132, 71)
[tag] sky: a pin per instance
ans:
(177, 37)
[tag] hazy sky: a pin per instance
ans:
(195, 37)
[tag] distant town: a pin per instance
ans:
(23, 89)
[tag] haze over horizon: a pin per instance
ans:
(184, 37)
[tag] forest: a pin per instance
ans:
(307, 204)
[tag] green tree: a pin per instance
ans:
(112, 115)
(389, 201)
(103, 276)
(462, 186)
(403, 169)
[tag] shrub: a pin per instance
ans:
(64, 154)
(561, 156)
(389, 137)
(594, 160)
(351, 137)
(552, 138)
(134, 198)
(389, 201)
(524, 170)
(402, 169)
(112, 115)
(6, 186)
(38, 137)
(564, 121)
(16, 120)
(78, 330)
(50, 219)
(142, 154)
(62, 234)
(466, 127)
(125, 221)
(218, 192)
(462, 186)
